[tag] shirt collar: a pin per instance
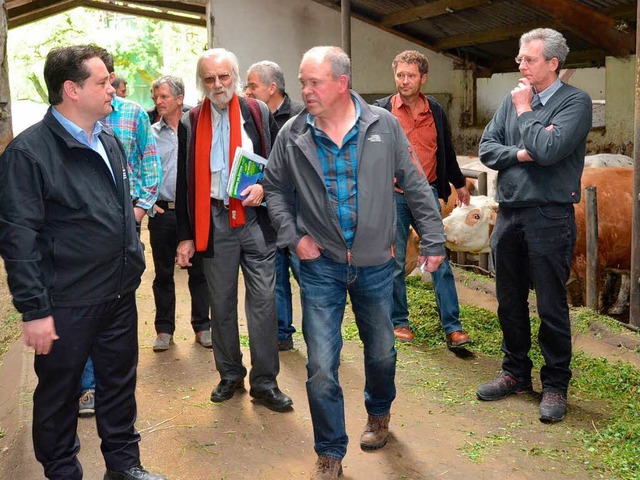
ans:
(311, 119)
(547, 93)
(116, 101)
(397, 102)
(74, 130)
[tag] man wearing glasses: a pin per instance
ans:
(536, 141)
(238, 231)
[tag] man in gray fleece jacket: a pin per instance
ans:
(536, 141)
(329, 187)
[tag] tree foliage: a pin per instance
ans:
(143, 49)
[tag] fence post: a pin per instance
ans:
(591, 219)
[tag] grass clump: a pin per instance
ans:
(611, 447)
(10, 330)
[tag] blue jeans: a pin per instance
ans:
(534, 245)
(324, 285)
(88, 380)
(284, 307)
(444, 284)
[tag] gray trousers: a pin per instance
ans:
(245, 248)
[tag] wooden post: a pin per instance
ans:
(345, 13)
(634, 296)
(591, 214)
(6, 129)
(211, 23)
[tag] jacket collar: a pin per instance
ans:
(367, 116)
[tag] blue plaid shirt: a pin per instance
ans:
(340, 168)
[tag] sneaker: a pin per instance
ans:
(457, 339)
(327, 469)
(502, 386)
(204, 338)
(286, 344)
(553, 407)
(87, 404)
(403, 334)
(163, 341)
(375, 433)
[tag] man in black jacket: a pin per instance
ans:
(265, 81)
(425, 124)
(74, 261)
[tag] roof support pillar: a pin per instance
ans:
(345, 11)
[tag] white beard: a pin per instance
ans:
(221, 101)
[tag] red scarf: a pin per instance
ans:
(204, 136)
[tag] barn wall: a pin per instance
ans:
(294, 26)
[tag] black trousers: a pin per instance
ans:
(164, 241)
(109, 333)
(534, 245)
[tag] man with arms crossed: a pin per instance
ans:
(74, 261)
(536, 141)
(329, 187)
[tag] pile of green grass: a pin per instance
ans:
(615, 440)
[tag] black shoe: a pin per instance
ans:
(553, 407)
(502, 386)
(286, 344)
(225, 390)
(273, 399)
(134, 473)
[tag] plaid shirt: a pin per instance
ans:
(340, 168)
(131, 125)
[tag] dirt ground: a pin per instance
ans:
(437, 426)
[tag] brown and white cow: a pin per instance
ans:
(413, 242)
(469, 230)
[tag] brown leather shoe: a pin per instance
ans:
(403, 334)
(457, 339)
(375, 433)
(327, 469)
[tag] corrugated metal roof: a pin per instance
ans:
(483, 33)
(486, 32)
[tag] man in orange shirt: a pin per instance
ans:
(427, 128)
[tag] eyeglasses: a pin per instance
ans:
(224, 77)
(528, 60)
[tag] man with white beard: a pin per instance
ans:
(239, 232)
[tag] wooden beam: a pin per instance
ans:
(198, 8)
(22, 16)
(158, 14)
(589, 24)
(22, 12)
(490, 36)
(627, 11)
(434, 9)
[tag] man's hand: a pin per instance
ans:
(521, 96)
(464, 197)
(307, 248)
(40, 334)
(158, 210)
(523, 156)
(186, 249)
(139, 213)
(255, 195)
(430, 263)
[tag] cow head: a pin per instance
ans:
(468, 228)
